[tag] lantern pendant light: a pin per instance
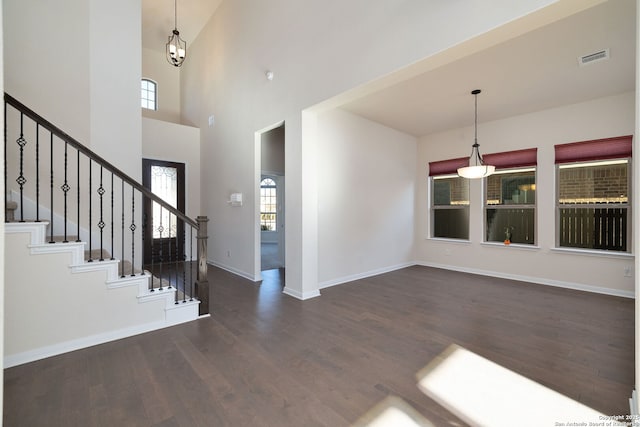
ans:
(176, 47)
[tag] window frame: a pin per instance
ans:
(433, 207)
(628, 206)
(275, 197)
(529, 206)
(146, 99)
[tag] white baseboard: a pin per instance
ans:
(530, 279)
(358, 276)
(300, 295)
(233, 270)
(80, 343)
(345, 279)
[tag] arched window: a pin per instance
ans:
(268, 205)
(149, 94)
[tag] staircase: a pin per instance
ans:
(74, 269)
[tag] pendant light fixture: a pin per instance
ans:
(477, 168)
(176, 47)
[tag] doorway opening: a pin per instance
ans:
(271, 210)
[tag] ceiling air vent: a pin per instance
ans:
(594, 57)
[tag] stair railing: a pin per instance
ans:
(105, 199)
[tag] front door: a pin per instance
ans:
(164, 234)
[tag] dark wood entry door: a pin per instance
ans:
(164, 233)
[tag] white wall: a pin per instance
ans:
(115, 70)
(71, 66)
(2, 190)
(316, 50)
(176, 143)
(366, 188)
(600, 118)
(167, 77)
(47, 46)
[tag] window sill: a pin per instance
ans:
(591, 252)
(446, 240)
(511, 245)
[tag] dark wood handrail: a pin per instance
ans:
(98, 159)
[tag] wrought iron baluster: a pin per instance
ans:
(175, 262)
(160, 230)
(78, 191)
(90, 209)
(184, 264)
(191, 263)
(151, 244)
(101, 192)
(51, 206)
(133, 234)
(65, 189)
(169, 260)
(21, 180)
(112, 258)
(173, 272)
(122, 233)
(37, 172)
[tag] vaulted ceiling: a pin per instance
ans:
(535, 71)
(158, 20)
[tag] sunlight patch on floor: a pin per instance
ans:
(393, 412)
(483, 393)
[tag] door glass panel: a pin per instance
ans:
(164, 184)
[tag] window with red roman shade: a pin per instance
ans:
(512, 159)
(510, 197)
(597, 149)
(447, 167)
(592, 195)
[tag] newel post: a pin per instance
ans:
(202, 284)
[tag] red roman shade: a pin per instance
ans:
(446, 167)
(598, 149)
(512, 159)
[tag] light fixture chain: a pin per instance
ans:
(175, 16)
(176, 48)
(475, 139)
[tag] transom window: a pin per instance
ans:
(148, 94)
(268, 204)
(593, 194)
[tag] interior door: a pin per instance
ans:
(164, 233)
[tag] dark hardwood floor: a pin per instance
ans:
(265, 359)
